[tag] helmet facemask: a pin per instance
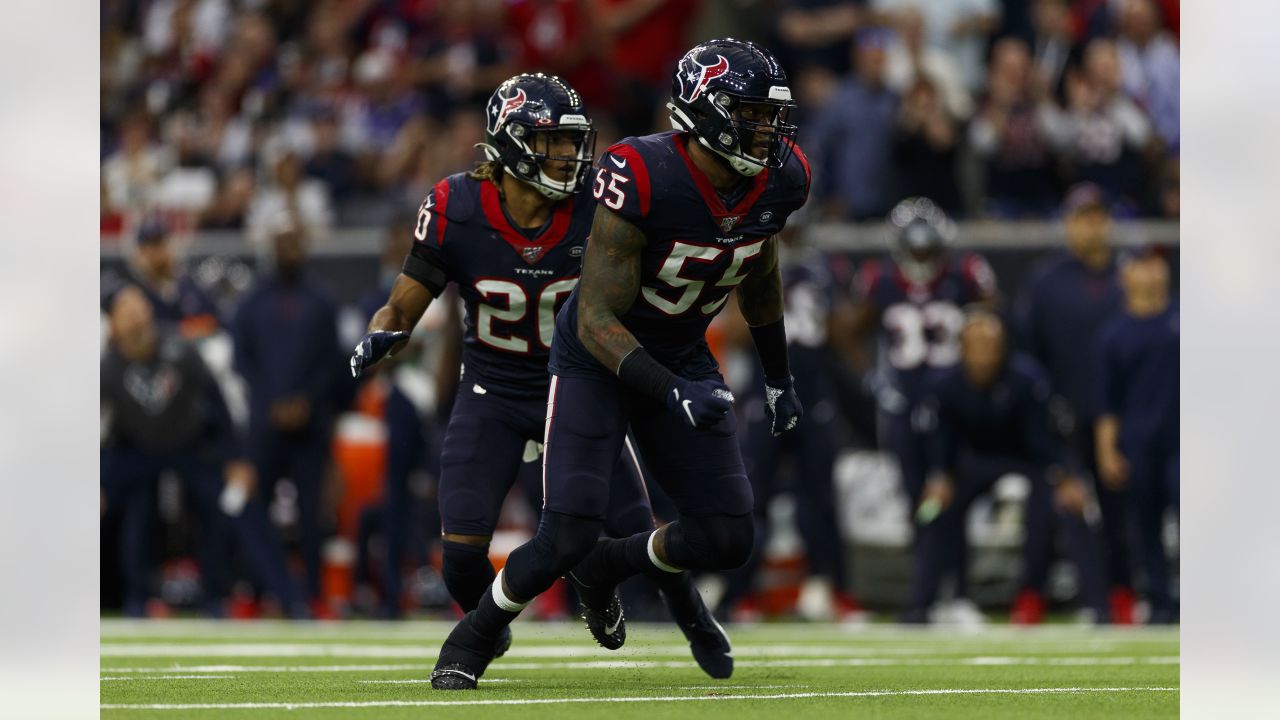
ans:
(567, 150)
(734, 124)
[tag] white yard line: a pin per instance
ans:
(109, 678)
(423, 681)
(502, 666)
(654, 699)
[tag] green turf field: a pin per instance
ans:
(181, 669)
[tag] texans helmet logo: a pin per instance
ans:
(509, 105)
(698, 75)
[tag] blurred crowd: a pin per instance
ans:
(230, 415)
(218, 114)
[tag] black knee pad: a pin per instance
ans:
(560, 544)
(466, 571)
(711, 542)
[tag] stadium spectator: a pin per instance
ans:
(231, 207)
(304, 201)
(1137, 432)
(643, 39)
(1104, 134)
(286, 349)
(174, 297)
(925, 147)
(1011, 133)
(1149, 67)
(851, 138)
(988, 417)
(132, 172)
(1060, 311)
(959, 28)
(1053, 46)
(190, 185)
(330, 162)
(163, 411)
(908, 59)
(463, 56)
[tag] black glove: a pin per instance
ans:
(373, 347)
(702, 403)
(782, 404)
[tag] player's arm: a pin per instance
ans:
(392, 324)
(609, 285)
(760, 299)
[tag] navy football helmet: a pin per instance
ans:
(734, 97)
(523, 119)
(921, 234)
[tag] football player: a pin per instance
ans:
(912, 302)
(682, 219)
(511, 235)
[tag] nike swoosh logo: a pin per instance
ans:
(614, 627)
(468, 676)
(622, 164)
(685, 405)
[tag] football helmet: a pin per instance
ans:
(733, 96)
(921, 234)
(523, 118)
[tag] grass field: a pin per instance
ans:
(181, 669)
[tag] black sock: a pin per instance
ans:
(467, 572)
(680, 594)
(489, 618)
(615, 560)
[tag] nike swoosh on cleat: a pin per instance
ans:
(468, 676)
(620, 163)
(614, 627)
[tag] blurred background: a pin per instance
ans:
(247, 142)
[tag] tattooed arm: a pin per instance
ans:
(609, 284)
(760, 295)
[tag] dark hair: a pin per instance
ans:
(487, 170)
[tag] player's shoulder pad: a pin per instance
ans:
(458, 196)
(868, 277)
(622, 181)
(978, 273)
(795, 171)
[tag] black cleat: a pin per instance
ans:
(605, 620)
(464, 656)
(454, 676)
(503, 644)
(710, 645)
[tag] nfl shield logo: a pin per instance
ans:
(727, 223)
(532, 254)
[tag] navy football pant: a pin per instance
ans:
(301, 457)
(483, 457)
(939, 544)
(1152, 489)
(129, 478)
(1116, 556)
(701, 470)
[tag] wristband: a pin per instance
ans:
(640, 371)
(771, 346)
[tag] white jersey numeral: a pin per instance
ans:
(671, 268)
(920, 334)
(513, 307)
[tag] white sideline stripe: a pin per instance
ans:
(547, 651)
(105, 678)
(423, 681)
(694, 698)
(978, 661)
(125, 628)
(421, 651)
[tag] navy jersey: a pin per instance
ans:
(1010, 418)
(1060, 311)
(920, 323)
(511, 284)
(698, 249)
(811, 285)
(1137, 370)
